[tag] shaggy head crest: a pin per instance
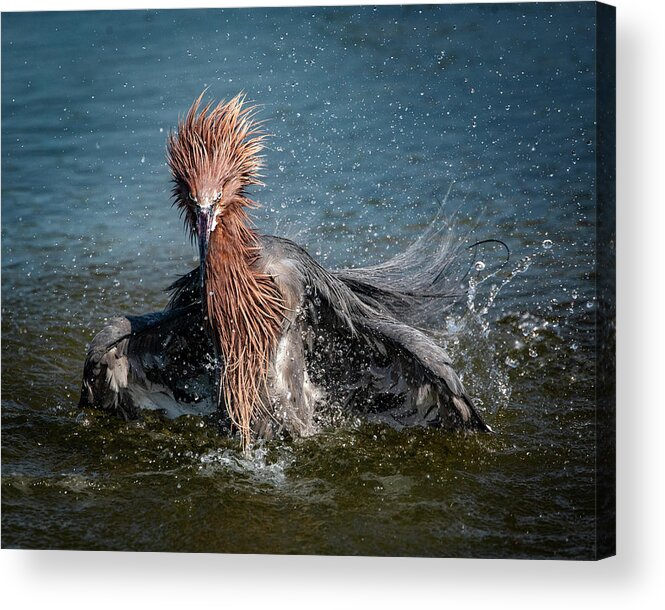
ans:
(214, 155)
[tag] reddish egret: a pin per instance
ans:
(260, 331)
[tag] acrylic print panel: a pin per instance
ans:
(482, 133)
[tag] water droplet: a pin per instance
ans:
(511, 363)
(479, 266)
(547, 244)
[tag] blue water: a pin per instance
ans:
(375, 115)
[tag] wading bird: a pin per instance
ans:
(260, 332)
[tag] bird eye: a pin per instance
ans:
(192, 197)
(218, 196)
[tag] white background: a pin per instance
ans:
(632, 579)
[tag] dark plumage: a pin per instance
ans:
(262, 332)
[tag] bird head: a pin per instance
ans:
(214, 155)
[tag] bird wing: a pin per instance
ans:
(375, 354)
(149, 361)
(166, 344)
(185, 290)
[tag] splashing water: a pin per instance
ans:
(486, 369)
(260, 463)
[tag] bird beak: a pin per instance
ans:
(204, 222)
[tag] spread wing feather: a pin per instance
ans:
(369, 352)
(149, 361)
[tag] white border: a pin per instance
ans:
(631, 580)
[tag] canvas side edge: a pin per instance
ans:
(605, 281)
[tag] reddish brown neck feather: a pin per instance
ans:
(245, 312)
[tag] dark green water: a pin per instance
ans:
(374, 114)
